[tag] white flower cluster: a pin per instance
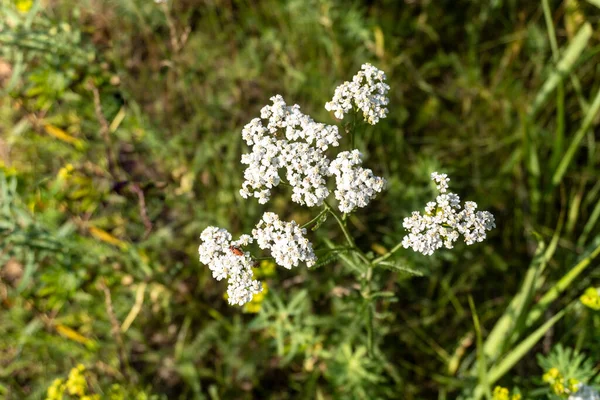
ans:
(290, 140)
(585, 392)
(286, 241)
(443, 222)
(355, 185)
(367, 90)
(227, 261)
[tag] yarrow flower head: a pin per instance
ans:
(290, 140)
(285, 240)
(443, 222)
(367, 91)
(355, 185)
(226, 261)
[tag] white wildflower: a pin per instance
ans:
(355, 185)
(286, 241)
(585, 392)
(227, 261)
(290, 140)
(444, 222)
(441, 181)
(367, 90)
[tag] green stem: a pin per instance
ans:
(388, 254)
(347, 234)
(324, 211)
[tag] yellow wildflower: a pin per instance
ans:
(573, 385)
(23, 5)
(76, 383)
(255, 304)
(500, 393)
(65, 171)
(591, 298)
(558, 387)
(56, 390)
(266, 269)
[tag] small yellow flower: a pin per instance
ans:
(65, 171)
(56, 390)
(516, 397)
(255, 304)
(8, 171)
(551, 375)
(500, 393)
(572, 385)
(266, 269)
(76, 383)
(591, 298)
(23, 5)
(558, 387)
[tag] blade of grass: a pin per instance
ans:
(594, 2)
(570, 153)
(557, 148)
(560, 286)
(589, 225)
(481, 364)
(518, 352)
(505, 327)
(563, 67)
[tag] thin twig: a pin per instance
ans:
(135, 188)
(115, 330)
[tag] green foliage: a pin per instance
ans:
(565, 368)
(120, 141)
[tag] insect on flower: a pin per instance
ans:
(236, 250)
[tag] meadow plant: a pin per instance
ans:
(284, 138)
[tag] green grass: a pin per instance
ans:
(146, 102)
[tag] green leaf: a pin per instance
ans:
(400, 266)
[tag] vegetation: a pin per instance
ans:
(120, 141)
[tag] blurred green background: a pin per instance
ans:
(120, 142)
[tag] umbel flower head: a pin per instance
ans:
(226, 261)
(367, 91)
(355, 185)
(225, 258)
(290, 140)
(286, 241)
(443, 221)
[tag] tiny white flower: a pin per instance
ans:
(285, 240)
(355, 185)
(444, 222)
(216, 252)
(367, 91)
